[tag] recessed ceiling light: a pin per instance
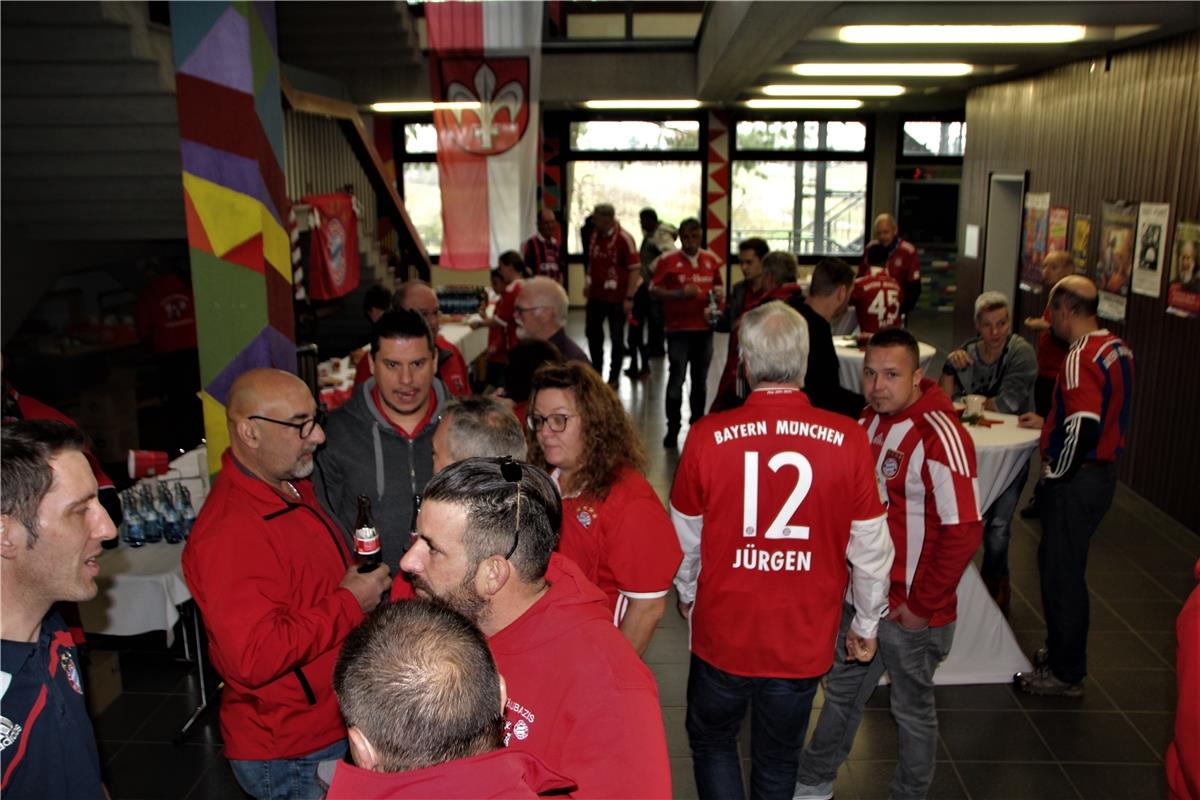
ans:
(961, 34)
(803, 103)
(423, 106)
(913, 69)
(642, 104)
(832, 90)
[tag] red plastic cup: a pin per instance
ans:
(146, 463)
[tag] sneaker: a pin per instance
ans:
(1043, 682)
(823, 791)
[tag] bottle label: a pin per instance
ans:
(366, 541)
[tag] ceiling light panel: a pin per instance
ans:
(832, 90)
(419, 107)
(961, 34)
(660, 105)
(804, 103)
(905, 70)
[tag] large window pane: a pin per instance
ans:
(423, 201)
(670, 187)
(935, 138)
(420, 137)
(807, 207)
(849, 137)
(607, 135)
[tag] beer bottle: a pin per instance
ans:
(367, 548)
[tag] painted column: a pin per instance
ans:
(231, 143)
(716, 198)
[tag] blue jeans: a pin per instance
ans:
(286, 778)
(910, 658)
(687, 352)
(997, 528)
(716, 705)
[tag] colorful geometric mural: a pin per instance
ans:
(235, 200)
(717, 193)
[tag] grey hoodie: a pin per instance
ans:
(364, 454)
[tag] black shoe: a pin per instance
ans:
(671, 440)
(1041, 657)
(1045, 683)
(614, 380)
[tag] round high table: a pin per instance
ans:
(1000, 452)
(850, 361)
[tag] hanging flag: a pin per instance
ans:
(486, 68)
(333, 251)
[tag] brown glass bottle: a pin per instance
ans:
(367, 548)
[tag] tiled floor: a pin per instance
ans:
(995, 743)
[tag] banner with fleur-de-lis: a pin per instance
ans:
(485, 60)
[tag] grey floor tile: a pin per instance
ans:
(870, 780)
(982, 696)
(1158, 727)
(122, 719)
(1163, 643)
(151, 771)
(669, 645)
(672, 683)
(1147, 615)
(986, 781)
(1094, 699)
(1130, 585)
(683, 780)
(1121, 650)
(1093, 737)
(1118, 781)
(674, 720)
(1139, 689)
(991, 736)
(217, 783)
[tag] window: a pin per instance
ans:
(611, 135)
(672, 188)
(423, 201)
(783, 135)
(934, 138)
(420, 137)
(806, 207)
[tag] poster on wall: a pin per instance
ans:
(1153, 219)
(1081, 237)
(1114, 263)
(1183, 293)
(1056, 236)
(1033, 240)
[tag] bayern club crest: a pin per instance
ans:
(67, 664)
(586, 516)
(491, 103)
(891, 464)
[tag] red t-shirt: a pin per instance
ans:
(674, 271)
(903, 263)
(166, 316)
(1096, 382)
(544, 257)
(502, 338)
(1051, 351)
(610, 260)
(625, 544)
(876, 300)
(776, 484)
(579, 698)
(925, 463)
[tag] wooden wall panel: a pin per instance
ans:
(1090, 132)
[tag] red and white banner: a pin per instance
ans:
(486, 66)
(333, 252)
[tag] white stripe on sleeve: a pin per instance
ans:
(870, 552)
(687, 528)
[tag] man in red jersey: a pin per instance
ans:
(683, 280)
(543, 252)
(277, 588)
(876, 295)
(579, 698)
(612, 280)
(424, 706)
(1081, 440)
(902, 262)
(925, 467)
(770, 502)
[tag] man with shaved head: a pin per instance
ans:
(902, 261)
(419, 296)
(1081, 439)
(278, 589)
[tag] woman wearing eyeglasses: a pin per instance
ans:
(614, 526)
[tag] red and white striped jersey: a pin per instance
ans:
(876, 301)
(925, 465)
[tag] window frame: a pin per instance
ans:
(903, 159)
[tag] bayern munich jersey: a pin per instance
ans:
(1095, 382)
(925, 461)
(674, 271)
(876, 301)
(903, 263)
(764, 501)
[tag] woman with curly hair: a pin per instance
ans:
(614, 526)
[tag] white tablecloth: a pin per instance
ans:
(850, 362)
(472, 343)
(140, 589)
(1000, 452)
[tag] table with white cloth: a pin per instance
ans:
(471, 342)
(985, 649)
(850, 361)
(141, 590)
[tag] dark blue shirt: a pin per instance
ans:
(47, 747)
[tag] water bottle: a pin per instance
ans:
(187, 514)
(714, 310)
(151, 518)
(172, 531)
(133, 529)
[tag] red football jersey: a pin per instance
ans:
(925, 463)
(876, 300)
(1051, 351)
(625, 543)
(777, 484)
(610, 260)
(503, 339)
(903, 263)
(674, 271)
(1096, 381)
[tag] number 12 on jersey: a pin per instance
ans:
(779, 528)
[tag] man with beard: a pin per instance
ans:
(381, 441)
(277, 588)
(579, 697)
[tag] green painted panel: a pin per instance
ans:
(231, 308)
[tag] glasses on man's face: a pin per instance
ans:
(305, 428)
(526, 309)
(555, 422)
(511, 471)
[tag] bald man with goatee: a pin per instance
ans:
(278, 590)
